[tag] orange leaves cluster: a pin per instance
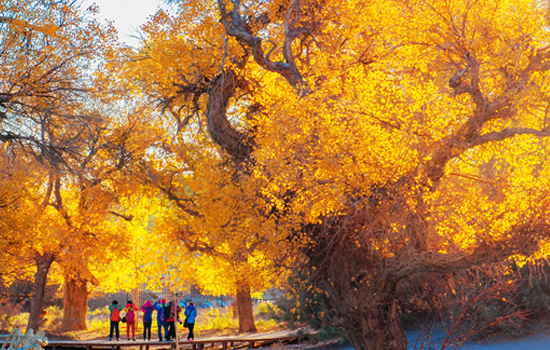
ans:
(382, 102)
(388, 89)
(65, 144)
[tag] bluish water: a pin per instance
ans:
(538, 341)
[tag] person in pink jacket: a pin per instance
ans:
(130, 319)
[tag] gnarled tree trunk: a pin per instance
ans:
(43, 264)
(362, 290)
(74, 304)
(378, 327)
(244, 308)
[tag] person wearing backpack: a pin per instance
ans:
(130, 310)
(161, 322)
(171, 314)
(115, 310)
(147, 319)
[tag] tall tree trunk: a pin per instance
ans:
(379, 328)
(244, 308)
(75, 302)
(361, 287)
(366, 302)
(43, 264)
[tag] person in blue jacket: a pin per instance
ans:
(147, 319)
(190, 315)
(161, 322)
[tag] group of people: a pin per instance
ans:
(167, 315)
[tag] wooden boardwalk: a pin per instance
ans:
(223, 342)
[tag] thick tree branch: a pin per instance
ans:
(524, 240)
(234, 26)
(237, 144)
(507, 133)
(49, 189)
(153, 179)
(58, 205)
(468, 136)
(194, 244)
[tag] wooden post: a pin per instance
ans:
(137, 311)
(175, 309)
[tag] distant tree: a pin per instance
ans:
(49, 50)
(227, 242)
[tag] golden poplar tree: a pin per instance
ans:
(49, 52)
(373, 124)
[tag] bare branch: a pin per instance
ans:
(237, 29)
(122, 216)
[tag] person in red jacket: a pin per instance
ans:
(130, 319)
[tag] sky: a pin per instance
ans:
(127, 15)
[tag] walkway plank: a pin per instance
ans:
(224, 342)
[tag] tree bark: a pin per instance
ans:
(234, 311)
(74, 304)
(244, 308)
(43, 264)
(379, 328)
(238, 145)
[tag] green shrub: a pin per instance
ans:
(100, 311)
(266, 309)
(99, 325)
(262, 324)
(54, 316)
(17, 321)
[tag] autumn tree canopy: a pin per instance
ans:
(364, 141)
(61, 148)
(402, 136)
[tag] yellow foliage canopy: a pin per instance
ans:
(422, 96)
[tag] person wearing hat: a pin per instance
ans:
(147, 310)
(161, 322)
